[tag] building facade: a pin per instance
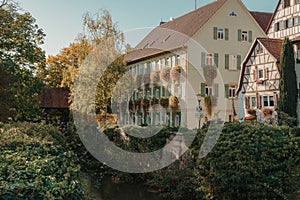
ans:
(284, 23)
(201, 51)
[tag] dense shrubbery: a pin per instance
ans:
(34, 165)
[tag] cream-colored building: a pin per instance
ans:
(208, 45)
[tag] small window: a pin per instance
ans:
(297, 1)
(232, 62)
(168, 62)
(286, 3)
(177, 60)
(244, 35)
(268, 101)
(208, 90)
(232, 90)
(260, 74)
(288, 23)
(253, 103)
(209, 59)
(296, 20)
(220, 33)
(259, 49)
(279, 26)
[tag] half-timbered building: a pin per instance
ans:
(285, 22)
(259, 81)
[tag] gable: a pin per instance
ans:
(285, 21)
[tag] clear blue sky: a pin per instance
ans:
(61, 20)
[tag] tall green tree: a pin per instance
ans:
(20, 59)
(288, 80)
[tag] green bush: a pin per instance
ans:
(33, 164)
(250, 161)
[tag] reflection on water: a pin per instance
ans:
(125, 191)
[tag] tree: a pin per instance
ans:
(98, 30)
(20, 59)
(288, 80)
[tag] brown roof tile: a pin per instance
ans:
(262, 18)
(175, 33)
(54, 98)
(272, 45)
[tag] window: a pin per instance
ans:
(208, 90)
(209, 59)
(141, 69)
(259, 49)
(168, 62)
(231, 91)
(244, 35)
(232, 62)
(177, 60)
(297, 1)
(278, 26)
(253, 102)
(298, 53)
(288, 23)
(286, 3)
(268, 101)
(260, 74)
(220, 34)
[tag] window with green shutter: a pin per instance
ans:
(226, 34)
(216, 59)
(239, 35)
(226, 91)
(226, 61)
(215, 33)
(202, 89)
(239, 62)
(250, 36)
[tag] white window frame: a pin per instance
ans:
(244, 36)
(232, 62)
(177, 59)
(253, 102)
(231, 91)
(260, 74)
(221, 34)
(209, 59)
(268, 98)
(208, 90)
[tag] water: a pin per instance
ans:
(126, 191)
(118, 191)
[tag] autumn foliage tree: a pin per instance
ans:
(288, 81)
(20, 59)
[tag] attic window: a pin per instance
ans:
(232, 14)
(146, 46)
(167, 38)
(151, 43)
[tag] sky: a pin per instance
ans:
(61, 20)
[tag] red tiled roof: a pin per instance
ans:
(272, 45)
(54, 98)
(175, 33)
(262, 18)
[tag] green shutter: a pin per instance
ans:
(202, 89)
(226, 91)
(215, 33)
(250, 36)
(239, 62)
(163, 91)
(216, 90)
(226, 61)
(216, 59)
(203, 56)
(239, 35)
(226, 34)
